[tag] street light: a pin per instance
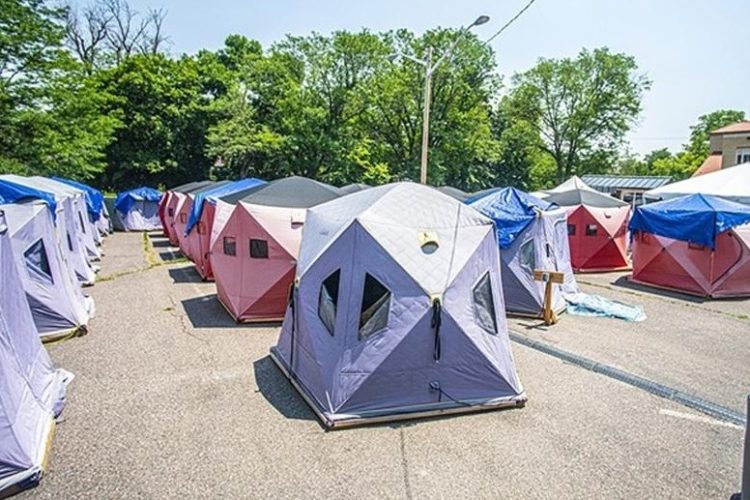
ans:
(429, 69)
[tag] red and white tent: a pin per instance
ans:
(255, 243)
(597, 226)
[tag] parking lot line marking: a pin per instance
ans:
(698, 418)
(692, 401)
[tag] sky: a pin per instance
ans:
(694, 51)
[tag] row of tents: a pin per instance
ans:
(51, 231)
(406, 278)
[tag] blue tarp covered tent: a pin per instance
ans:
(138, 209)
(10, 192)
(127, 199)
(511, 209)
(696, 218)
(94, 197)
(532, 234)
(223, 190)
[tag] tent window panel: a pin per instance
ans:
(328, 300)
(591, 229)
(70, 242)
(571, 229)
(376, 303)
(183, 218)
(37, 262)
(170, 212)
(484, 305)
(258, 249)
(528, 256)
(80, 219)
(230, 246)
(695, 246)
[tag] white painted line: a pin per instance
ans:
(699, 418)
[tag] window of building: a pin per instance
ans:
(743, 155)
(571, 229)
(230, 246)
(258, 249)
(484, 305)
(37, 262)
(328, 300)
(376, 302)
(528, 255)
(591, 229)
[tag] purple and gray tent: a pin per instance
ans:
(398, 310)
(67, 224)
(138, 209)
(532, 234)
(58, 305)
(87, 231)
(32, 391)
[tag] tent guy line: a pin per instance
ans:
(691, 401)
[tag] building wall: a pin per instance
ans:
(729, 145)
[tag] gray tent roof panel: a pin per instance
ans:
(454, 193)
(625, 182)
(209, 187)
(355, 187)
(197, 186)
(583, 197)
(290, 192)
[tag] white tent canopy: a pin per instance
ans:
(731, 183)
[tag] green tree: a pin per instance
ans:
(580, 108)
(165, 113)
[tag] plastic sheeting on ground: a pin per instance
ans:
(585, 304)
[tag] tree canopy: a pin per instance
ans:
(90, 92)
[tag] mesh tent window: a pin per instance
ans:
(37, 262)
(376, 303)
(80, 219)
(484, 305)
(591, 230)
(571, 229)
(258, 249)
(328, 300)
(230, 246)
(528, 256)
(183, 218)
(70, 242)
(170, 211)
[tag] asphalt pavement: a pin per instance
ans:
(172, 399)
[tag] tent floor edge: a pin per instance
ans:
(669, 288)
(349, 421)
(33, 480)
(600, 270)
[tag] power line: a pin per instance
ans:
(512, 20)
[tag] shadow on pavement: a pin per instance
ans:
(624, 282)
(186, 274)
(160, 243)
(279, 392)
(171, 255)
(207, 312)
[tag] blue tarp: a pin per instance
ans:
(94, 197)
(223, 190)
(10, 192)
(696, 218)
(511, 209)
(127, 199)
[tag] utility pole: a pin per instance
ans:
(426, 116)
(429, 69)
